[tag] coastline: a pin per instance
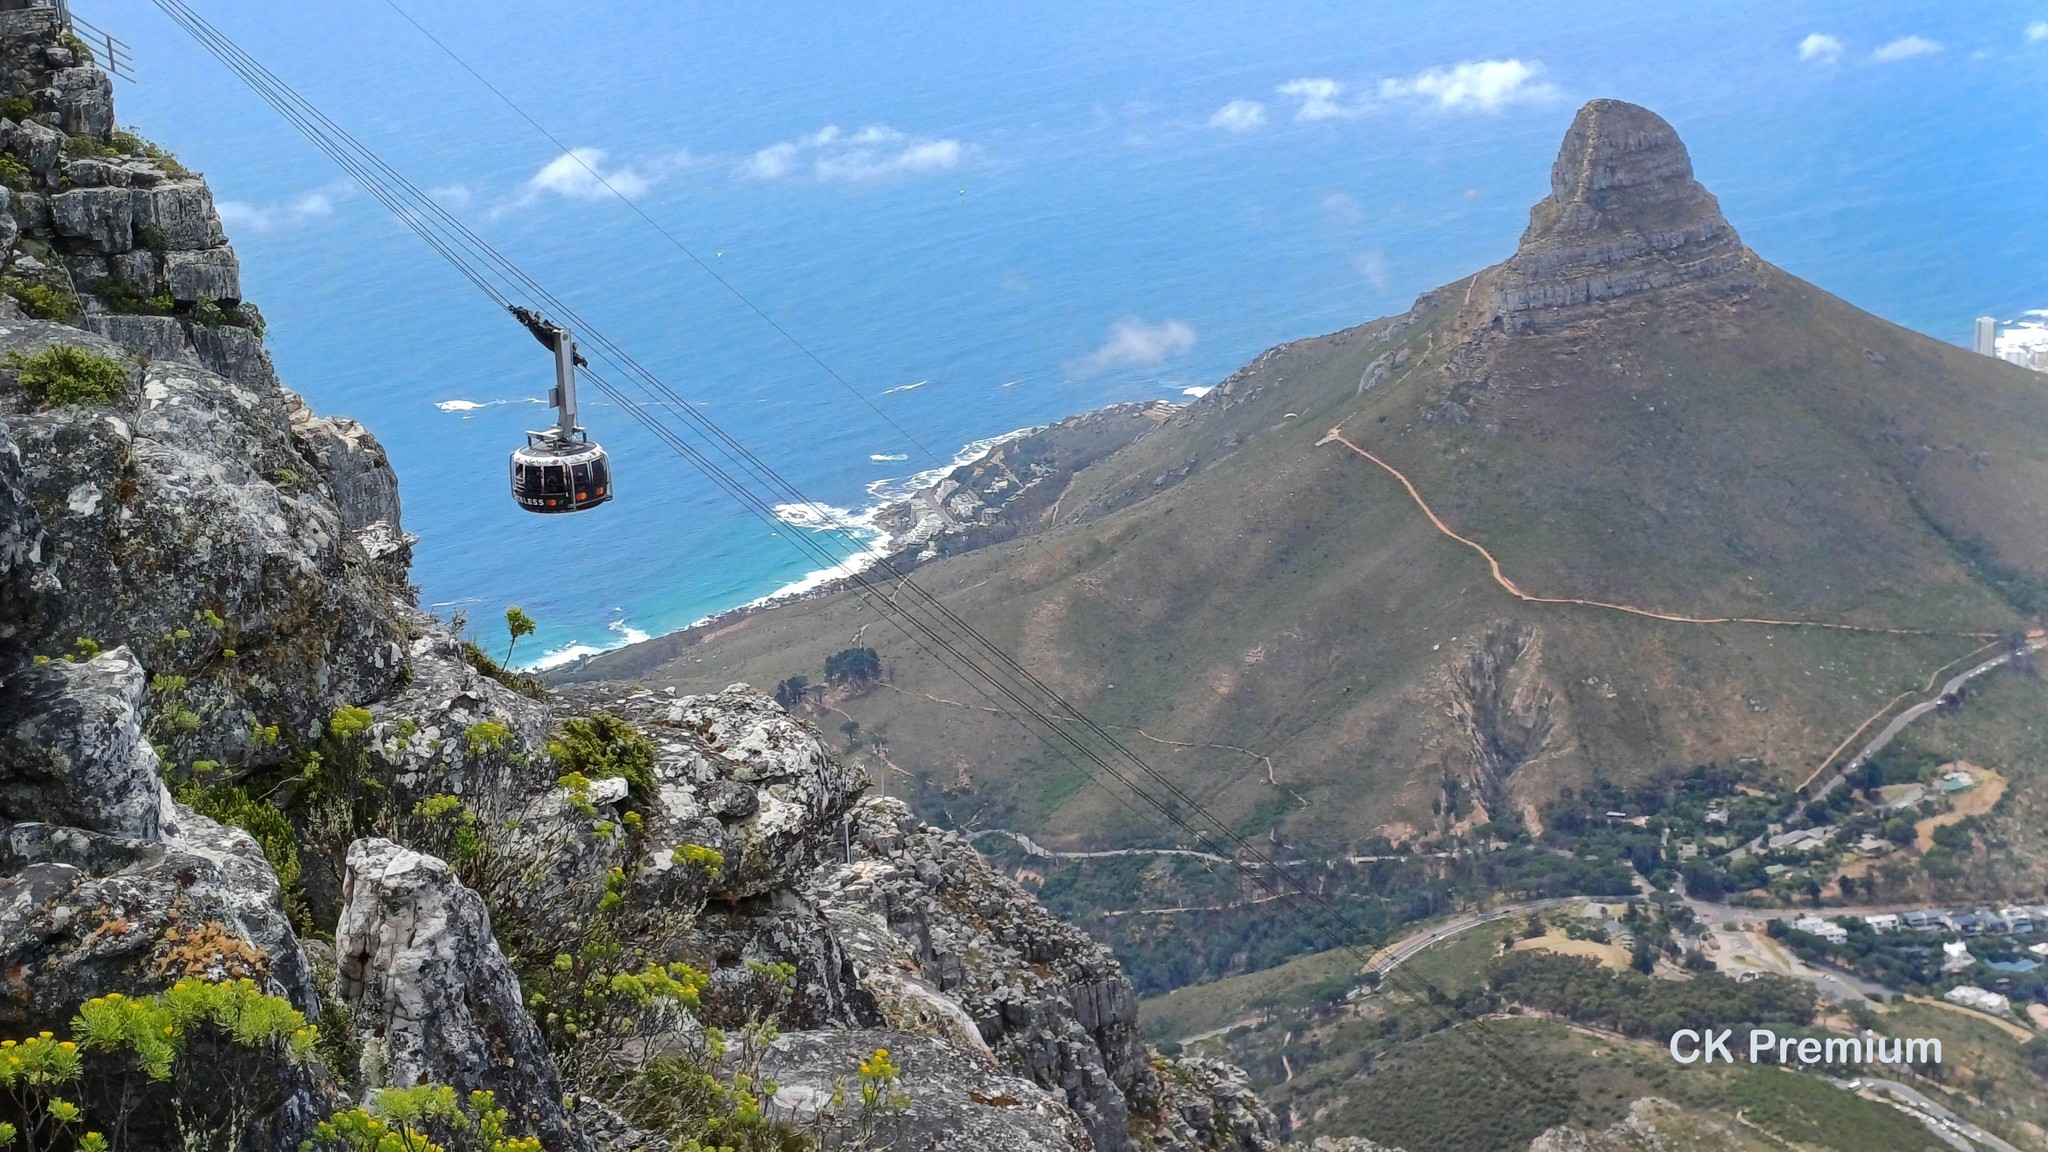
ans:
(981, 497)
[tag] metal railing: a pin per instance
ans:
(109, 51)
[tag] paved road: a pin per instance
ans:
(1884, 736)
(1396, 954)
(1939, 1120)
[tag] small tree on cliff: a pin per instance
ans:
(518, 624)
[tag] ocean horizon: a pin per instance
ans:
(989, 222)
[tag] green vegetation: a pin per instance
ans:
(65, 374)
(1227, 932)
(419, 1119)
(1580, 990)
(858, 666)
(122, 297)
(131, 143)
(233, 804)
(601, 745)
(41, 301)
(524, 683)
(517, 624)
(793, 691)
(199, 1062)
(14, 174)
(17, 108)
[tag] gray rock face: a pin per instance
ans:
(189, 504)
(21, 546)
(105, 884)
(1210, 1105)
(419, 965)
(101, 217)
(72, 750)
(358, 474)
(209, 274)
(1624, 217)
(1050, 1003)
(956, 1100)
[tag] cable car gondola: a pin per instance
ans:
(560, 469)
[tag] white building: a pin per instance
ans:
(2023, 342)
(1827, 930)
(1955, 956)
(1882, 921)
(1987, 336)
(1970, 996)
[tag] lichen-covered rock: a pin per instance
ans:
(184, 522)
(101, 217)
(430, 988)
(72, 750)
(1052, 1004)
(952, 1100)
(21, 550)
(205, 274)
(358, 474)
(105, 884)
(1209, 1106)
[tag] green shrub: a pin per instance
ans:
(69, 375)
(233, 805)
(853, 666)
(40, 301)
(524, 683)
(86, 146)
(601, 745)
(17, 107)
(13, 172)
(128, 142)
(122, 297)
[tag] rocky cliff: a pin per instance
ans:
(1624, 217)
(275, 843)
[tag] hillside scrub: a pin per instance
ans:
(1579, 989)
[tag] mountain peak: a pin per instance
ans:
(1624, 216)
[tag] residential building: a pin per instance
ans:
(1971, 996)
(1827, 930)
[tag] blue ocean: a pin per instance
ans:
(985, 217)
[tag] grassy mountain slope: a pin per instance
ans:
(1632, 409)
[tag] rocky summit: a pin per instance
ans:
(1624, 217)
(283, 857)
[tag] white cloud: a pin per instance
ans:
(1239, 116)
(1820, 48)
(2038, 30)
(1905, 48)
(1318, 96)
(1372, 264)
(1475, 85)
(876, 152)
(1133, 343)
(452, 195)
(1341, 208)
(243, 216)
(580, 174)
